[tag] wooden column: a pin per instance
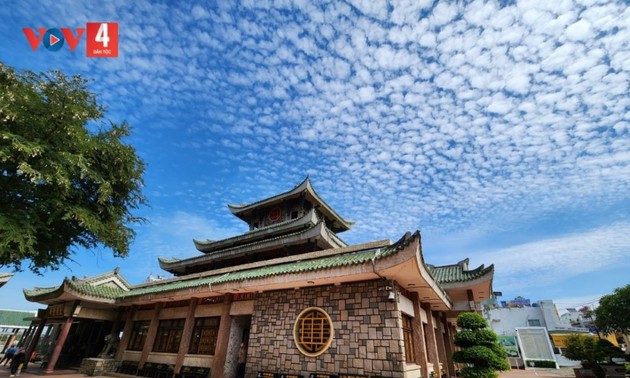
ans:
(10, 340)
(31, 346)
(432, 350)
(223, 338)
(439, 338)
(471, 300)
(24, 340)
(187, 334)
(418, 337)
(124, 341)
(449, 337)
(148, 342)
(63, 335)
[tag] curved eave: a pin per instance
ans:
(317, 232)
(298, 189)
(413, 275)
(478, 276)
(307, 220)
(4, 278)
(403, 265)
(44, 295)
(67, 291)
(273, 262)
(305, 187)
(166, 261)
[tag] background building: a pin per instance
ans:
(504, 320)
(13, 324)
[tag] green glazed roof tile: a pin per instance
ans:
(39, 291)
(262, 272)
(101, 291)
(15, 318)
(458, 272)
(314, 264)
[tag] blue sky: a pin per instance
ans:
(501, 130)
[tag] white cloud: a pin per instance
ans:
(470, 113)
(579, 31)
(552, 260)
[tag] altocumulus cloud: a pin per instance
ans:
(549, 261)
(449, 115)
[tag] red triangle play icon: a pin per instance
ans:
(53, 39)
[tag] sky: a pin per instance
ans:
(499, 129)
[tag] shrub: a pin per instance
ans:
(468, 337)
(541, 363)
(591, 352)
(471, 320)
(480, 348)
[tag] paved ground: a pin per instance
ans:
(35, 372)
(554, 373)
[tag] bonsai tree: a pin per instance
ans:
(592, 352)
(480, 349)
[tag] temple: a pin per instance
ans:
(299, 300)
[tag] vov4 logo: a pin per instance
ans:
(102, 38)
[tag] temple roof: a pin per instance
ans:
(401, 262)
(338, 224)
(108, 286)
(315, 230)
(209, 246)
(466, 288)
(4, 278)
(459, 272)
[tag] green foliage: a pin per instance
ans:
(468, 337)
(475, 372)
(66, 178)
(481, 356)
(591, 351)
(541, 363)
(472, 321)
(612, 314)
(583, 348)
(481, 351)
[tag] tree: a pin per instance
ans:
(613, 313)
(591, 352)
(481, 350)
(66, 178)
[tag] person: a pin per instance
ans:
(242, 355)
(8, 355)
(18, 361)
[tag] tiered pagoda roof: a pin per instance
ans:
(294, 222)
(291, 243)
(401, 262)
(303, 190)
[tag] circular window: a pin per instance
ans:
(313, 331)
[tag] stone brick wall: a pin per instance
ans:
(97, 366)
(367, 337)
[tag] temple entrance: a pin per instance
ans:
(239, 334)
(85, 339)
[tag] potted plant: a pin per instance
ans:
(594, 354)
